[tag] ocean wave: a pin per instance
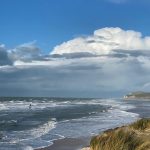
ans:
(63, 118)
(28, 137)
(37, 132)
(3, 107)
(43, 129)
(28, 148)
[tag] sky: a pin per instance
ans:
(51, 22)
(74, 48)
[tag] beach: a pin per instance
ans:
(67, 143)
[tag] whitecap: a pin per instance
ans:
(43, 129)
(28, 148)
(3, 107)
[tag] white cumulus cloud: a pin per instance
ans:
(104, 41)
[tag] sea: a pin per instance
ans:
(35, 122)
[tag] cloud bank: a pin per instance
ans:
(109, 63)
(4, 58)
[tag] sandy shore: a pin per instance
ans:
(69, 144)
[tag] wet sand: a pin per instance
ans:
(69, 144)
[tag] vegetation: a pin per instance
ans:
(141, 124)
(132, 137)
(138, 95)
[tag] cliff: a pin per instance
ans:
(135, 136)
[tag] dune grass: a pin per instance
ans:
(132, 137)
(141, 124)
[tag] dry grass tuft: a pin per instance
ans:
(141, 124)
(131, 137)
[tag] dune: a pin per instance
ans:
(135, 136)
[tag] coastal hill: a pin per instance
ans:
(138, 95)
(135, 136)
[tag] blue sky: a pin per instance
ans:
(51, 22)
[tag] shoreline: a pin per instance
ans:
(136, 134)
(67, 143)
(81, 143)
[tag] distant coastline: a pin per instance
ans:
(137, 95)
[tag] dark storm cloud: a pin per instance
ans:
(25, 52)
(84, 77)
(134, 53)
(73, 55)
(39, 79)
(4, 59)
